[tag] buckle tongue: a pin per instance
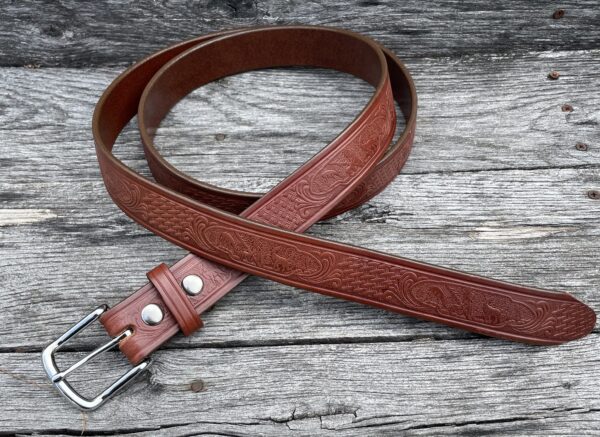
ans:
(58, 377)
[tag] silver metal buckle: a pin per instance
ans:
(58, 378)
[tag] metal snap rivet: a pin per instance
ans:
(152, 314)
(192, 284)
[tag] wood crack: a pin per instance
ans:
(275, 343)
(570, 411)
(505, 169)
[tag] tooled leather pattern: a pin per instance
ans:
(378, 180)
(292, 207)
(337, 272)
(386, 283)
(428, 293)
(373, 280)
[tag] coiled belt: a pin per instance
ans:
(231, 234)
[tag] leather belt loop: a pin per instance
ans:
(175, 298)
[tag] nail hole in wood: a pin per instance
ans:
(567, 108)
(197, 386)
(553, 75)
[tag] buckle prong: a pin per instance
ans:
(58, 377)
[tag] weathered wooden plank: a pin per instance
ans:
(495, 186)
(414, 388)
(72, 33)
(476, 113)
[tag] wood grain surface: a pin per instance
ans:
(501, 182)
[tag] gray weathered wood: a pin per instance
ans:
(418, 388)
(509, 102)
(73, 33)
(494, 186)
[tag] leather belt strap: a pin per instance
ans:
(231, 234)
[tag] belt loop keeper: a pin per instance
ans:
(175, 298)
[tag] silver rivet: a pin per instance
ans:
(152, 314)
(192, 284)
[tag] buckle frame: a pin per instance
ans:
(58, 377)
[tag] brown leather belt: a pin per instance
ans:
(231, 234)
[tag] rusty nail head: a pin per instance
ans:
(567, 108)
(559, 13)
(553, 75)
(581, 146)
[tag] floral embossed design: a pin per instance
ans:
(461, 302)
(127, 195)
(256, 251)
(324, 181)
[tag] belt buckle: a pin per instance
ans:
(58, 377)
